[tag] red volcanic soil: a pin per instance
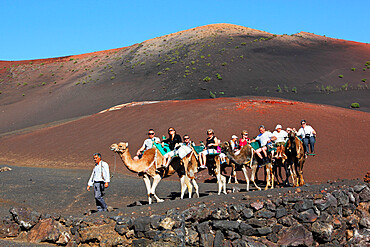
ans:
(227, 60)
(342, 140)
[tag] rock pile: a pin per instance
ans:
(332, 217)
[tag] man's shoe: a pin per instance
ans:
(202, 167)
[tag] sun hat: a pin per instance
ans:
(234, 137)
(303, 121)
(278, 127)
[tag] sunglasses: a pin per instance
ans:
(245, 134)
(150, 133)
(186, 138)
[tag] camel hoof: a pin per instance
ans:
(236, 182)
(160, 200)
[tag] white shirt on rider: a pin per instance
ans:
(280, 136)
(264, 138)
(302, 132)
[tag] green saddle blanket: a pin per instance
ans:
(163, 150)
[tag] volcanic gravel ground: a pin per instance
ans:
(63, 192)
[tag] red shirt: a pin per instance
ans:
(243, 143)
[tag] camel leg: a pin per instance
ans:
(268, 176)
(156, 180)
(223, 180)
(254, 170)
(188, 185)
(196, 187)
(183, 187)
(147, 185)
(244, 169)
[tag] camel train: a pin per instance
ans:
(150, 167)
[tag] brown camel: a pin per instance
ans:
(295, 157)
(190, 163)
(244, 159)
(150, 166)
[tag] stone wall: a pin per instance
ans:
(339, 216)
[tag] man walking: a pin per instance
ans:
(99, 179)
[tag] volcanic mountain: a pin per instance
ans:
(219, 60)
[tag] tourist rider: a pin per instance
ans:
(100, 179)
(281, 137)
(173, 142)
(234, 143)
(308, 135)
(264, 138)
(183, 150)
(244, 140)
(148, 144)
(211, 148)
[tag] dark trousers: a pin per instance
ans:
(99, 193)
(310, 141)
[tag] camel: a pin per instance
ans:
(295, 157)
(248, 158)
(214, 169)
(280, 160)
(190, 163)
(244, 159)
(147, 166)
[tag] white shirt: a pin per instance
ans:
(307, 130)
(280, 136)
(100, 169)
(264, 138)
(148, 143)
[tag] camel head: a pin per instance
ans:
(120, 147)
(226, 147)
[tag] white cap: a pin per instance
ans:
(234, 136)
(278, 127)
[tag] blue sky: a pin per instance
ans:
(54, 28)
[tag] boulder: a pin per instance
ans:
(49, 230)
(220, 213)
(365, 195)
(247, 213)
(280, 212)
(25, 217)
(257, 205)
(99, 233)
(8, 228)
(322, 231)
(303, 205)
(247, 230)
(167, 223)
(207, 240)
(219, 239)
(191, 236)
(225, 225)
(265, 214)
(295, 235)
(342, 198)
(307, 216)
(142, 224)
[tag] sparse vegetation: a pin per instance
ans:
(340, 76)
(43, 84)
(112, 78)
(345, 87)
(207, 79)
(167, 69)
(158, 64)
(212, 95)
(294, 90)
(355, 105)
(363, 80)
(159, 73)
(353, 69)
(218, 76)
(224, 64)
(279, 90)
